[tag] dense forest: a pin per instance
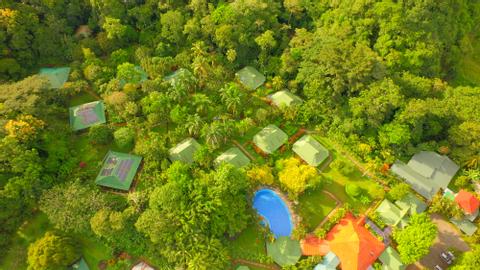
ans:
(384, 78)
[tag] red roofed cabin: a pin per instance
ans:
(469, 203)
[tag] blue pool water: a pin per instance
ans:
(274, 211)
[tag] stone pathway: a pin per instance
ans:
(385, 234)
(237, 144)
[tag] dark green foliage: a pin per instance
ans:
(124, 137)
(199, 209)
(101, 134)
(374, 77)
(398, 191)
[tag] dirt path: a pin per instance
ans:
(237, 144)
(338, 205)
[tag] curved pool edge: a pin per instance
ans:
(285, 203)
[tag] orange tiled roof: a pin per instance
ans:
(467, 201)
(353, 244)
(314, 246)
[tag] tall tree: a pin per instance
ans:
(415, 240)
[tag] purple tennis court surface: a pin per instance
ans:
(123, 169)
(87, 115)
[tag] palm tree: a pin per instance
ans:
(232, 97)
(473, 174)
(194, 124)
(213, 134)
(201, 103)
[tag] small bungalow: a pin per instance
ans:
(233, 156)
(87, 115)
(56, 76)
(270, 139)
(465, 225)
(184, 151)
(118, 170)
(391, 260)
(310, 150)
(284, 251)
(412, 203)
(392, 215)
(142, 266)
(250, 77)
(79, 265)
(427, 172)
(285, 98)
(469, 204)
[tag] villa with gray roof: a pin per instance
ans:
(426, 172)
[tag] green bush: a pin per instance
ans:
(353, 190)
(100, 134)
(398, 191)
(52, 251)
(124, 137)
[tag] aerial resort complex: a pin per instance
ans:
(239, 135)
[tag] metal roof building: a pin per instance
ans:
(426, 172)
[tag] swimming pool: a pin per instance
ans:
(275, 212)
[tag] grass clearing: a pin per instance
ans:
(337, 181)
(249, 245)
(93, 251)
(313, 207)
(81, 98)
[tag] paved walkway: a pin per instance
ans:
(385, 234)
(448, 237)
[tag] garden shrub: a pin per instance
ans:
(124, 137)
(100, 134)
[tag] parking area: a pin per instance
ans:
(448, 237)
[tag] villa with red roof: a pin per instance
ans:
(350, 241)
(469, 204)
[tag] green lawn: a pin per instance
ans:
(338, 181)
(93, 251)
(313, 206)
(81, 98)
(249, 245)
